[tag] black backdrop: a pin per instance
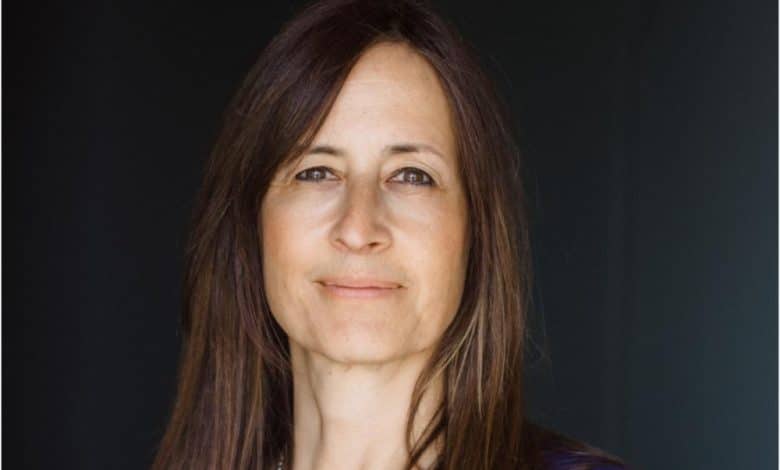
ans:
(650, 132)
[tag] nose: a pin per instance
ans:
(361, 227)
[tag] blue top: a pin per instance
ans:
(561, 452)
(578, 460)
(556, 451)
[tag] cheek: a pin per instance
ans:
(284, 248)
(289, 230)
(440, 258)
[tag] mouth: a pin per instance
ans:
(364, 289)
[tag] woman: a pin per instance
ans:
(358, 272)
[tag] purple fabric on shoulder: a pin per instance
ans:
(557, 451)
(578, 460)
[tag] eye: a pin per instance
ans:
(417, 178)
(317, 174)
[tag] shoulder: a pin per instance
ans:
(561, 452)
(570, 459)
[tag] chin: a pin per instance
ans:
(355, 345)
(360, 350)
(362, 357)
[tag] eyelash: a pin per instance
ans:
(402, 170)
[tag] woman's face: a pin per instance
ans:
(376, 200)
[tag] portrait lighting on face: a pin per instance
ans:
(365, 238)
(359, 270)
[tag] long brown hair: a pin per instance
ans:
(233, 407)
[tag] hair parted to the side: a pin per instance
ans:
(233, 408)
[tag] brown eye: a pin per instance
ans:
(315, 174)
(415, 177)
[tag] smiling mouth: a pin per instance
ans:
(359, 292)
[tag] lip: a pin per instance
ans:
(360, 283)
(359, 288)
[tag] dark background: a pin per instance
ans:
(650, 132)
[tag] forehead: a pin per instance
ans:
(392, 93)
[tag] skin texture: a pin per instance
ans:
(355, 360)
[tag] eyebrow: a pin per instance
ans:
(406, 147)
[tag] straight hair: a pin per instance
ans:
(233, 406)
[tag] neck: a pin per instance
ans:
(354, 416)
